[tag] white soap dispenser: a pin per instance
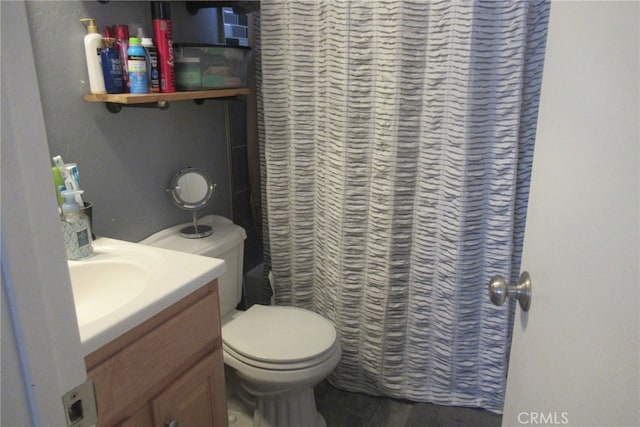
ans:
(92, 48)
(76, 229)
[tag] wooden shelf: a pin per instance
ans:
(131, 99)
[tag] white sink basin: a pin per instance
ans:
(123, 284)
(101, 287)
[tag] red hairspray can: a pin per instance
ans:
(161, 21)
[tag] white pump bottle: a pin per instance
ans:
(92, 47)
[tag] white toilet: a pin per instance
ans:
(278, 353)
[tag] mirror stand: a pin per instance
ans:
(196, 231)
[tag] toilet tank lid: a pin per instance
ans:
(226, 235)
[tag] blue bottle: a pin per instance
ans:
(111, 67)
(137, 64)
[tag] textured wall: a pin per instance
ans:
(126, 160)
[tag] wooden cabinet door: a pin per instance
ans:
(142, 418)
(196, 399)
(143, 368)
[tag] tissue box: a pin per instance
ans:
(208, 66)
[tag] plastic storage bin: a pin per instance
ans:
(208, 66)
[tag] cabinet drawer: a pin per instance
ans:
(129, 379)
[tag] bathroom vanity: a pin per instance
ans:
(167, 371)
(149, 323)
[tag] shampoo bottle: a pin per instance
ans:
(111, 66)
(121, 33)
(76, 229)
(92, 47)
(122, 45)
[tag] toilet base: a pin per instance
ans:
(282, 410)
(241, 414)
(292, 410)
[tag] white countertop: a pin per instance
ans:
(123, 284)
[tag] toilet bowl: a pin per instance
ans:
(277, 353)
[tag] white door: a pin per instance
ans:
(575, 354)
(41, 354)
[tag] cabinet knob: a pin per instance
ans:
(172, 423)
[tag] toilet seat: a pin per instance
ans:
(279, 338)
(290, 366)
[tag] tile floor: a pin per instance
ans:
(345, 409)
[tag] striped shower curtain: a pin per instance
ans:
(396, 142)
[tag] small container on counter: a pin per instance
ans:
(76, 228)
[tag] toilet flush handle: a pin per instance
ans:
(499, 290)
(172, 423)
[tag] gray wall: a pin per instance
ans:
(126, 160)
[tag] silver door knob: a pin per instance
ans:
(499, 290)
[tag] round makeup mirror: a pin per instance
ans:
(191, 189)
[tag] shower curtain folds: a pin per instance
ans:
(396, 146)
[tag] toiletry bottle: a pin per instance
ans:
(111, 66)
(121, 33)
(92, 47)
(71, 177)
(161, 21)
(76, 229)
(153, 74)
(137, 62)
(58, 182)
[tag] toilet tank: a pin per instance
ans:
(226, 243)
